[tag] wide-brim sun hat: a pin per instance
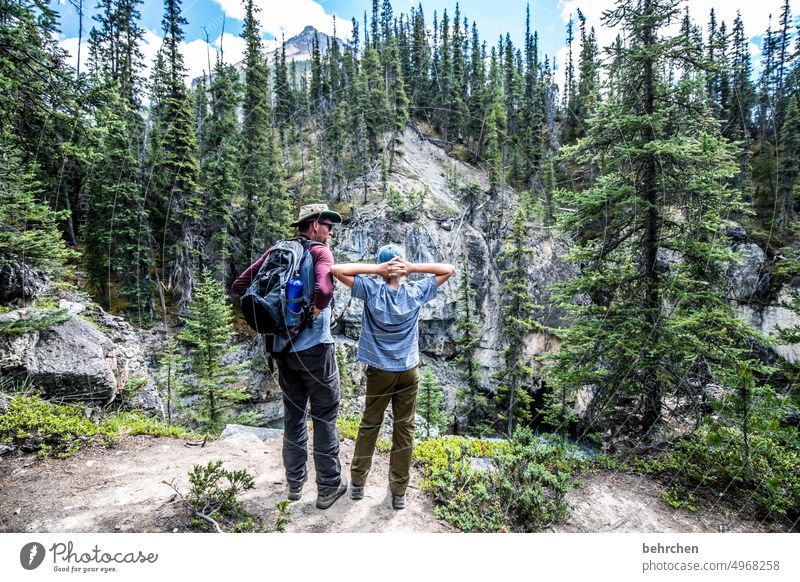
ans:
(316, 212)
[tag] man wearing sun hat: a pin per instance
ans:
(307, 365)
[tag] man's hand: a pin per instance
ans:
(314, 312)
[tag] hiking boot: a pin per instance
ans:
(399, 501)
(356, 492)
(295, 492)
(325, 501)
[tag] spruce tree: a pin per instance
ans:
(516, 376)
(116, 233)
(28, 228)
(266, 207)
(651, 325)
(221, 169)
(430, 404)
(173, 163)
(207, 333)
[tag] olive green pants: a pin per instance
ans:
(399, 388)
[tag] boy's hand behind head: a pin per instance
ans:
(399, 267)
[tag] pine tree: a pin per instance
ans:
(207, 333)
(430, 404)
(265, 211)
(495, 128)
(789, 160)
(516, 377)
(116, 232)
(28, 228)
(43, 112)
(466, 328)
(569, 94)
(173, 163)
(373, 101)
(221, 169)
(588, 89)
(649, 330)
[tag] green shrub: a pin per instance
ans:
(51, 430)
(60, 430)
(137, 423)
(213, 498)
(677, 496)
(770, 472)
(348, 429)
(523, 491)
(35, 322)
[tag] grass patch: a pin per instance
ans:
(60, 430)
(348, 429)
(133, 423)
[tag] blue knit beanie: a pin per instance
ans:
(388, 252)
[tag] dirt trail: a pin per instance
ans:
(121, 490)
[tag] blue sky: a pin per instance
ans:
(493, 17)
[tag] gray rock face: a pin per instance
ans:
(746, 275)
(71, 361)
(19, 282)
(770, 318)
(75, 361)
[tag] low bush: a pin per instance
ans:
(769, 471)
(522, 487)
(348, 429)
(60, 430)
(55, 430)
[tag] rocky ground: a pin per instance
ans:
(123, 489)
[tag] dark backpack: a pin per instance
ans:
(264, 302)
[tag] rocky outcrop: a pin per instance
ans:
(769, 319)
(21, 283)
(758, 298)
(94, 357)
(747, 276)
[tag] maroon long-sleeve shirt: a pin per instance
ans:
(322, 259)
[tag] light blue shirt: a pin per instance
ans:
(389, 334)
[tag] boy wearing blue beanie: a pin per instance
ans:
(389, 345)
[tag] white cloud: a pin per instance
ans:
(196, 54)
(289, 17)
(755, 16)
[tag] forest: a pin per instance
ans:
(152, 194)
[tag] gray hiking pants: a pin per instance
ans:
(311, 376)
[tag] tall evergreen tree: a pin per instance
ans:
(648, 329)
(516, 376)
(221, 170)
(116, 232)
(173, 163)
(430, 404)
(208, 332)
(266, 207)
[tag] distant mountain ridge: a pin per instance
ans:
(298, 48)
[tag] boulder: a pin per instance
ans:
(747, 275)
(70, 361)
(240, 430)
(93, 358)
(21, 283)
